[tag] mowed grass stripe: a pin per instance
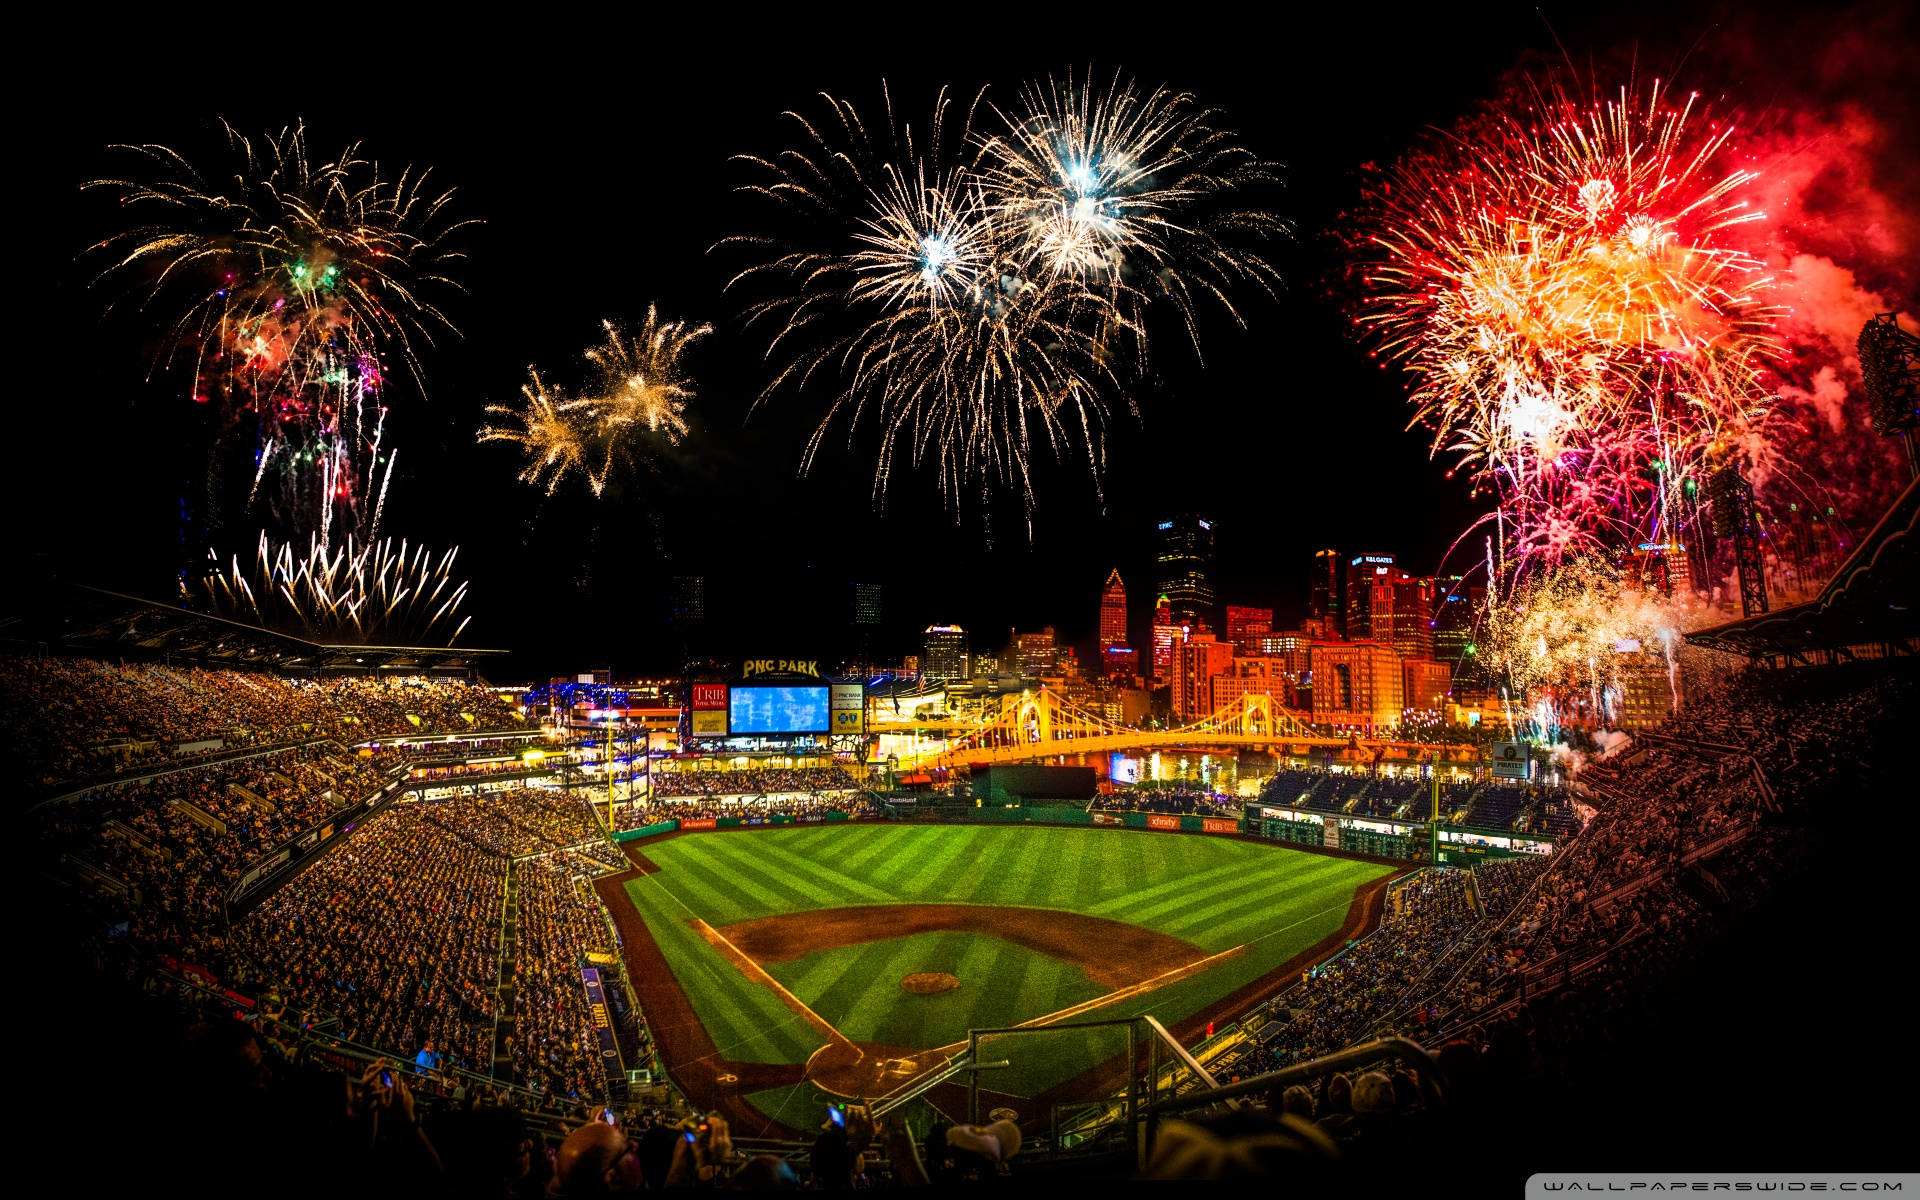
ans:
(833, 886)
(1130, 900)
(863, 982)
(929, 849)
(735, 892)
(909, 876)
(1166, 906)
(1274, 893)
(747, 1022)
(783, 871)
(878, 842)
(1270, 899)
(700, 884)
(959, 872)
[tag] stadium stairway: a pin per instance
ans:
(503, 992)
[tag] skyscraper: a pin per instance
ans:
(945, 655)
(1037, 653)
(1362, 572)
(1247, 626)
(1113, 613)
(1326, 594)
(1165, 633)
(866, 603)
(687, 599)
(1186, 552)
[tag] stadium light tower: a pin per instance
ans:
(1890, 367)
(1732, 498)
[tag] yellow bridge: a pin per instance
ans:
(1042, 724)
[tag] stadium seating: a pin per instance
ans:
(462, 922)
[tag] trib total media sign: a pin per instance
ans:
(709, 710)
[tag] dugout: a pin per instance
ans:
(1029, 784)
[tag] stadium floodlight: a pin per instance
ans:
(1890, 367)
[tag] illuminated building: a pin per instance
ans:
(1035, 654)
(687, 599)
(1195, 662)
(1186, 552)
(1113, 613)
(1645, 695)
(1426, 683)
(1253, 674)
(1165, 633)
(1361, 573)
(1660, 567)
(866, 603)
(944, 659)
(1356, 683)
(1326, 594)
(1459, 607)
(1246, 626)
(1403, 613)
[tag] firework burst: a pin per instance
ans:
(1568, 286)
(976, 297)
(286, 286)
(640, 387)
(552, 430)
(643, 384)
(1118, 186)
(376, 592)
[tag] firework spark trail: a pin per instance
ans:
(283, 283)
(355, 592)
(1568, 285)
(977, 296)
(641, 387)
(1577, 630)
(1116, 185)
(552, 433)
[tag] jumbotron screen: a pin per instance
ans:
(753, 710)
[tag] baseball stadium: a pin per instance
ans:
(1323, 604)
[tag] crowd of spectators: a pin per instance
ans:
(516, 822)
(1682, 831)
(153, 852)
(1340, 1001)
(637, 816)
(1171, 797)
(553, 1047)
(396, 933)
(79, 718)
(754, 782)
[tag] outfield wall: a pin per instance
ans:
(1010, 814)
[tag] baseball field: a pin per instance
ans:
(777, 964)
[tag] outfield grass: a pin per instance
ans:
(1214, 893)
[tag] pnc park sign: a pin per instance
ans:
(809, 667)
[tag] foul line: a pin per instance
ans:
(754, 971)
(1126, 993)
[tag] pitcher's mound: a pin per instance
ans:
(929, 983)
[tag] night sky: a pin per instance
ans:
(598, 157)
